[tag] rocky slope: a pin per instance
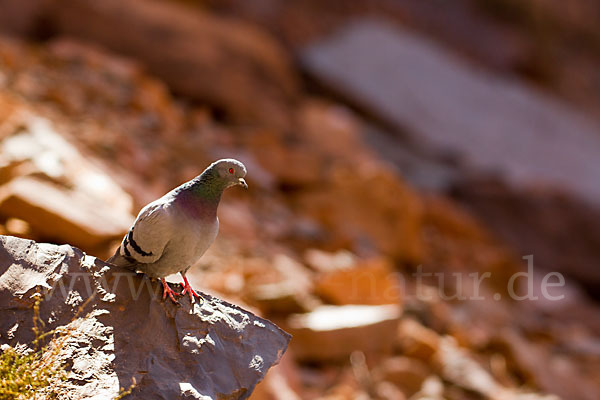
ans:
(327, 240)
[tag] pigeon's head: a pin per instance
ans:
(229, 171)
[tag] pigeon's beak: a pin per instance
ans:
(242, 182)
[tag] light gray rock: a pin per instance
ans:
(211, 351)
(489, 123)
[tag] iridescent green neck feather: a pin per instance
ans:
(209, 185)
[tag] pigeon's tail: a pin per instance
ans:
(122, 261)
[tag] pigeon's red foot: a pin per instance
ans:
(187, 288)
(168, 291)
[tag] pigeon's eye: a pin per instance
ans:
(231, 170)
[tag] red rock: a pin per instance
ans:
(328, 134)
(333, 332)
(297, 165)
(281, 298)
(333, 131)
(18, 227)
(388, 391)
(458, 366)
(10, 169)
(457, 241)
(433, 389)
(369, 281)
(323, 261)
(230, 64)
(369, 209)
(64, 216)
(281, 383)
(58, 192)
(344, 391)
(21, 18)
(290, 293)
(406, 373)
(417, 341)
(541, 222)
(559, 375)
(36, 147)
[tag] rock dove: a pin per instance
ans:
(172, 233)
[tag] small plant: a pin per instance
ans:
(32, 374)
(28, 376)
(39, 373)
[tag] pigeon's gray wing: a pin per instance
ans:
(147, 238)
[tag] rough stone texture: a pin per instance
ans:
(491, 123)
(215, 350)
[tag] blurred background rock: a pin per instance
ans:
(382, 138)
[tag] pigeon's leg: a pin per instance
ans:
(187, 288)
(168, 291)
